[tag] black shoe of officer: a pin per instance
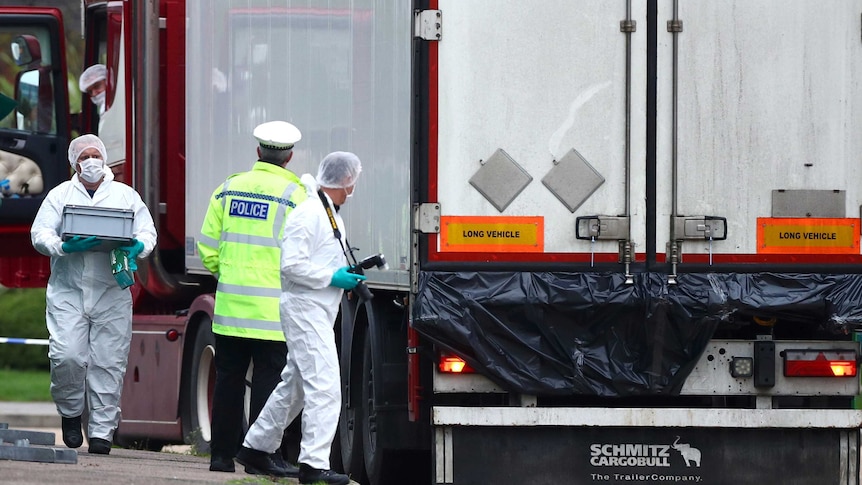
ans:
(308, 474)
(260, 463)
(72, 435)
(99, 446)
(221, 464)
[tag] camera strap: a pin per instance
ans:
(334, 224)
(329, 214)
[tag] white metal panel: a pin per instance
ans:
(453, 383)
(711, 375)
(339, 71)
(765, 88)
(652, 417)
(112, 125)
(537, 79)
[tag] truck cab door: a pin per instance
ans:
(34, 132)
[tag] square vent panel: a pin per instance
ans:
(573, 180)
(500, 179)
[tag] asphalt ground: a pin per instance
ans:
(173, 465)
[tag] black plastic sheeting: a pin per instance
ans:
(557, 333)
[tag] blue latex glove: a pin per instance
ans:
(79, 244)
(345, 280)
(133, 251)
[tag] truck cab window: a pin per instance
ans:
(28, 79)
(33, 113)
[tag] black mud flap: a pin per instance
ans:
(538, 456)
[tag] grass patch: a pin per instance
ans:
(195, 439)
(22, 315)
(261, 480)
(25, 385)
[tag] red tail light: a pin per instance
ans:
(454, 365)
(820, 363)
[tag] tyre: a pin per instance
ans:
(372, 455)
(350, 426)
(384, 466)
(199, 383)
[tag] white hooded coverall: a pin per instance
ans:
(311, 379)
(89, 316)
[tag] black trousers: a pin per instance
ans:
(232, 357)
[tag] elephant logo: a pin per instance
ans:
(688, 453)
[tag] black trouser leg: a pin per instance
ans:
(268, 364)
(268, 361)
(231, 363)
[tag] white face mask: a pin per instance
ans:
(350, 194)
(92, 170)
(99, 100)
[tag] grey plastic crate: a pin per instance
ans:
(112, 226)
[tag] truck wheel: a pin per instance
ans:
(350, 427)
(373, 456)
(199, 380)
(385, 466)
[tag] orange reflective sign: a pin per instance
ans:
(493, 234)
(804, 235)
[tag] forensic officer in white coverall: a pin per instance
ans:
(93, 82)
(89, 316)
(314, 275)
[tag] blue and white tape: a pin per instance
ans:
(24, 341)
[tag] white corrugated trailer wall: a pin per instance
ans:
(339, 72)
(539, 79)
(765, 88)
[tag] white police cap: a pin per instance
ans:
(277, 135)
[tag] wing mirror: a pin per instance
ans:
(26, 50)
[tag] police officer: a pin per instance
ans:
(239, 244)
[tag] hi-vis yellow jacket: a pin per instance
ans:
(240, 244)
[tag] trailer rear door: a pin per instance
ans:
(594, 133)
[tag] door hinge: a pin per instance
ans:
(426, 218)
(428, 24)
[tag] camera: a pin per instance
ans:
(361, 289)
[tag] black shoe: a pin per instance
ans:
(99, 446)
(260, 463)
(277, 459)
(308, 474)
(219, 464)
(72, 435)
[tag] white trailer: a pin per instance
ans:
(636, 222)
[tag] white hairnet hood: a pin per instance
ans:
(83, 142)
(339, 170)
(92, 75)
